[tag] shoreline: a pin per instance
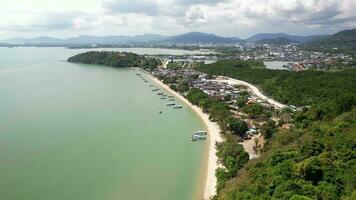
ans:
(213, 130)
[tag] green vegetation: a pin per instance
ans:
(293, 88)
(218, 111)
(232, 155)
(252, 64)
(315, 159)
(237, 126)
(268, 129)
(316, 162)
(342, 42)
(256, 110)
(174, 65)
(115, 59)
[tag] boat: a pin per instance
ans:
(200, 133)
(138, 74)
(159, 93)
(170, 104)
(198, 137)
(154, 90)
(160, 112)
(151, 85)
(170, 99)
(177, 106)
(163, 98)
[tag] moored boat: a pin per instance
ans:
(177, 106)
(170, 104)
(198, 137)
(200, 133)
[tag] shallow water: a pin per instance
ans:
(71, 131)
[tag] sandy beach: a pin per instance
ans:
(214, 136)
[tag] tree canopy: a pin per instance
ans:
(114, 59)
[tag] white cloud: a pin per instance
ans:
(227, 17)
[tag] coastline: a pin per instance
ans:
(213, 130)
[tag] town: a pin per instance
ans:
(275, 56)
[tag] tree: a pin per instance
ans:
(268, 129)
(254, 109)
(256, 146)
(237, 127)
(299, 197)
(313, 148)
(241, 102)
(182, 86)
(310, 170)
(232, 155)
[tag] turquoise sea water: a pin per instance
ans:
(86, 132)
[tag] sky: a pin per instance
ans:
(241, 18)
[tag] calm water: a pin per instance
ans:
(277, 64)
(84, 132)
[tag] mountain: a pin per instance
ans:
(343, 41)
(299, 39)
(187, 38)
(87, 39)
(37, 40)
(198, 37)
(149, 38)
(277, 41)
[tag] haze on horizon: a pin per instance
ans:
(242, 18)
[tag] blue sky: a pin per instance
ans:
(243, 18)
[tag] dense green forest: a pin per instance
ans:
(341, 42)
(115, 59)
(315, 162)
(316, 158)
(293, 88)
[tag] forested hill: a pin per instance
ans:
(344, 41)
(114, 59)
(315, 159)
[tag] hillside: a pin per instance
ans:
(198, 37)
(277, 41)
(271, 36)
(344, 41)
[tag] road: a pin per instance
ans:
(255, 90)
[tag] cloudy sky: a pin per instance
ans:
(242, 18)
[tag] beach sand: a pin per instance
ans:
(214, 136)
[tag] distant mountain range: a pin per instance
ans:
(338, 39)
(87, 39)
(187, 38)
